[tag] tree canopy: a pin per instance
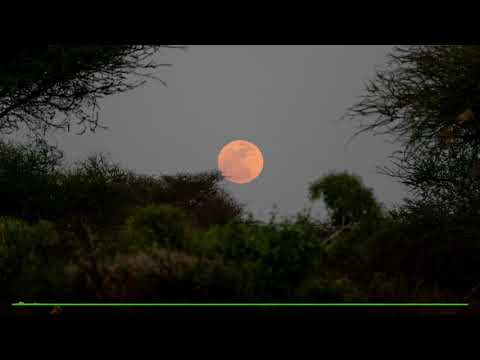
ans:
(421, 92)
(47, 87)
(345, 196)
(428, 98)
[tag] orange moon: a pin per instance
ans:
(240, 161)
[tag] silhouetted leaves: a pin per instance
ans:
(426, 97)
(345, 196)
(46, 87)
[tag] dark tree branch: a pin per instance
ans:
(40, 83)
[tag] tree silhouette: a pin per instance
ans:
(345, 196)
(428, 98)
(46, 87)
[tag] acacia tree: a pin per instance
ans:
(202, 196)
(47, 87)
(427, 98)
(346, 197)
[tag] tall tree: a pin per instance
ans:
(346, 198)
(427, 98)
(47, 87)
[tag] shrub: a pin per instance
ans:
(156, 273)
(201, 196)
(235, 240)
(295, 251)
(163, 225)
(27, 179)
(98, 190)
(14, 248)
(31, 259)
(271, 258)
(423, 245)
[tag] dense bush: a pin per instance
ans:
(426, 246)
(32, 260)
(97, 190)
(27, 179)
(96, 231)
(273, 257)
(156, 274)
(163, 225)
(201, 196)
(35, 184)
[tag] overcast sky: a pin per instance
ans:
(285, 99)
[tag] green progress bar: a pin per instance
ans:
(422, 305)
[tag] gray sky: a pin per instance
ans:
(285, 99)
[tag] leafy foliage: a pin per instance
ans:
(31, 259)
(347, 199)
(163, 225)
(27, 178)
(201, 196)
(429, 247)
(40, 83)
(424, 97)
(35, 185)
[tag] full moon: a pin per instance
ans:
(240, 161)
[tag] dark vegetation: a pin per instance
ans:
(98, 232)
